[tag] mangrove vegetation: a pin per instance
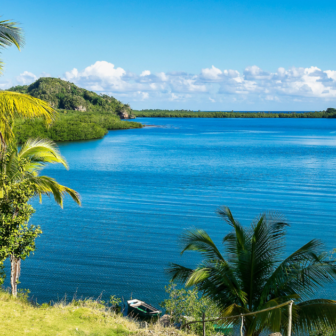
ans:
(329, 113)
(71, 126)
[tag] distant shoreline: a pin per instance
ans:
(329, 113)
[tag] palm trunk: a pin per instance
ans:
(15, 273)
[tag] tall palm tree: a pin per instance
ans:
(13, 104)
(252, 276)
(25, 165)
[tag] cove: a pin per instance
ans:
(141, 188)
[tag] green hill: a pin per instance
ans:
(61, 94)
(83, 114)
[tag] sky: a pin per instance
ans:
(200, 55)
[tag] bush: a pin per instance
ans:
(71, 126)
(188, 305)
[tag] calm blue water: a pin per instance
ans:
(141, 188)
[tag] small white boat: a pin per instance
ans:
(137, 308)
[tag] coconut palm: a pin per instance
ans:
(13, 104)
(251, 275)
(25, 165)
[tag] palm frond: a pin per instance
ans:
(14, 104)
(178, 272)
(302, 273)
(313, 314)
(235, 241)
(197, 276)
(263, 253)
(200, 241)
(40, 152)
(222, 284)
(10, 33)
(44, 185)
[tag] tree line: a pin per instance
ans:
(329, 113)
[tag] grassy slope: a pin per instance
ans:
(18, 317)
(21, 318)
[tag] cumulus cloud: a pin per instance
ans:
(26, 78)
(211, 84)
(99, 77)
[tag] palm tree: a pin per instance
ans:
(13, 104)
(252, 276)
(24, 165)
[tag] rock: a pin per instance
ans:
(275, 334)
(80, 108)
(124, 115)
(165, 320)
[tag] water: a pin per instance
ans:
(141, 188)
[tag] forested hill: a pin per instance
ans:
(82, 114)
(61, 94)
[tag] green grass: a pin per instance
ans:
(78, 318)
(18, 317)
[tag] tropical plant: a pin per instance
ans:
(10, 34)
(17, 237)
(251, 275)
(185, 305)
(323, 331)
(20, 170)
(14, 104)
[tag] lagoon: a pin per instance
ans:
(141, 188)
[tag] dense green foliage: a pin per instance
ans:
(71, 126)
(190, 303)
(252, 276)
(329, 113)
(17, 237)
(61, 94)
(83, 114)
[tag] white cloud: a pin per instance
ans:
(26, 78)
(145, 73)
(211, 84)
(212, 74)
(100, 76)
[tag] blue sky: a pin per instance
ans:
(208, 55)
